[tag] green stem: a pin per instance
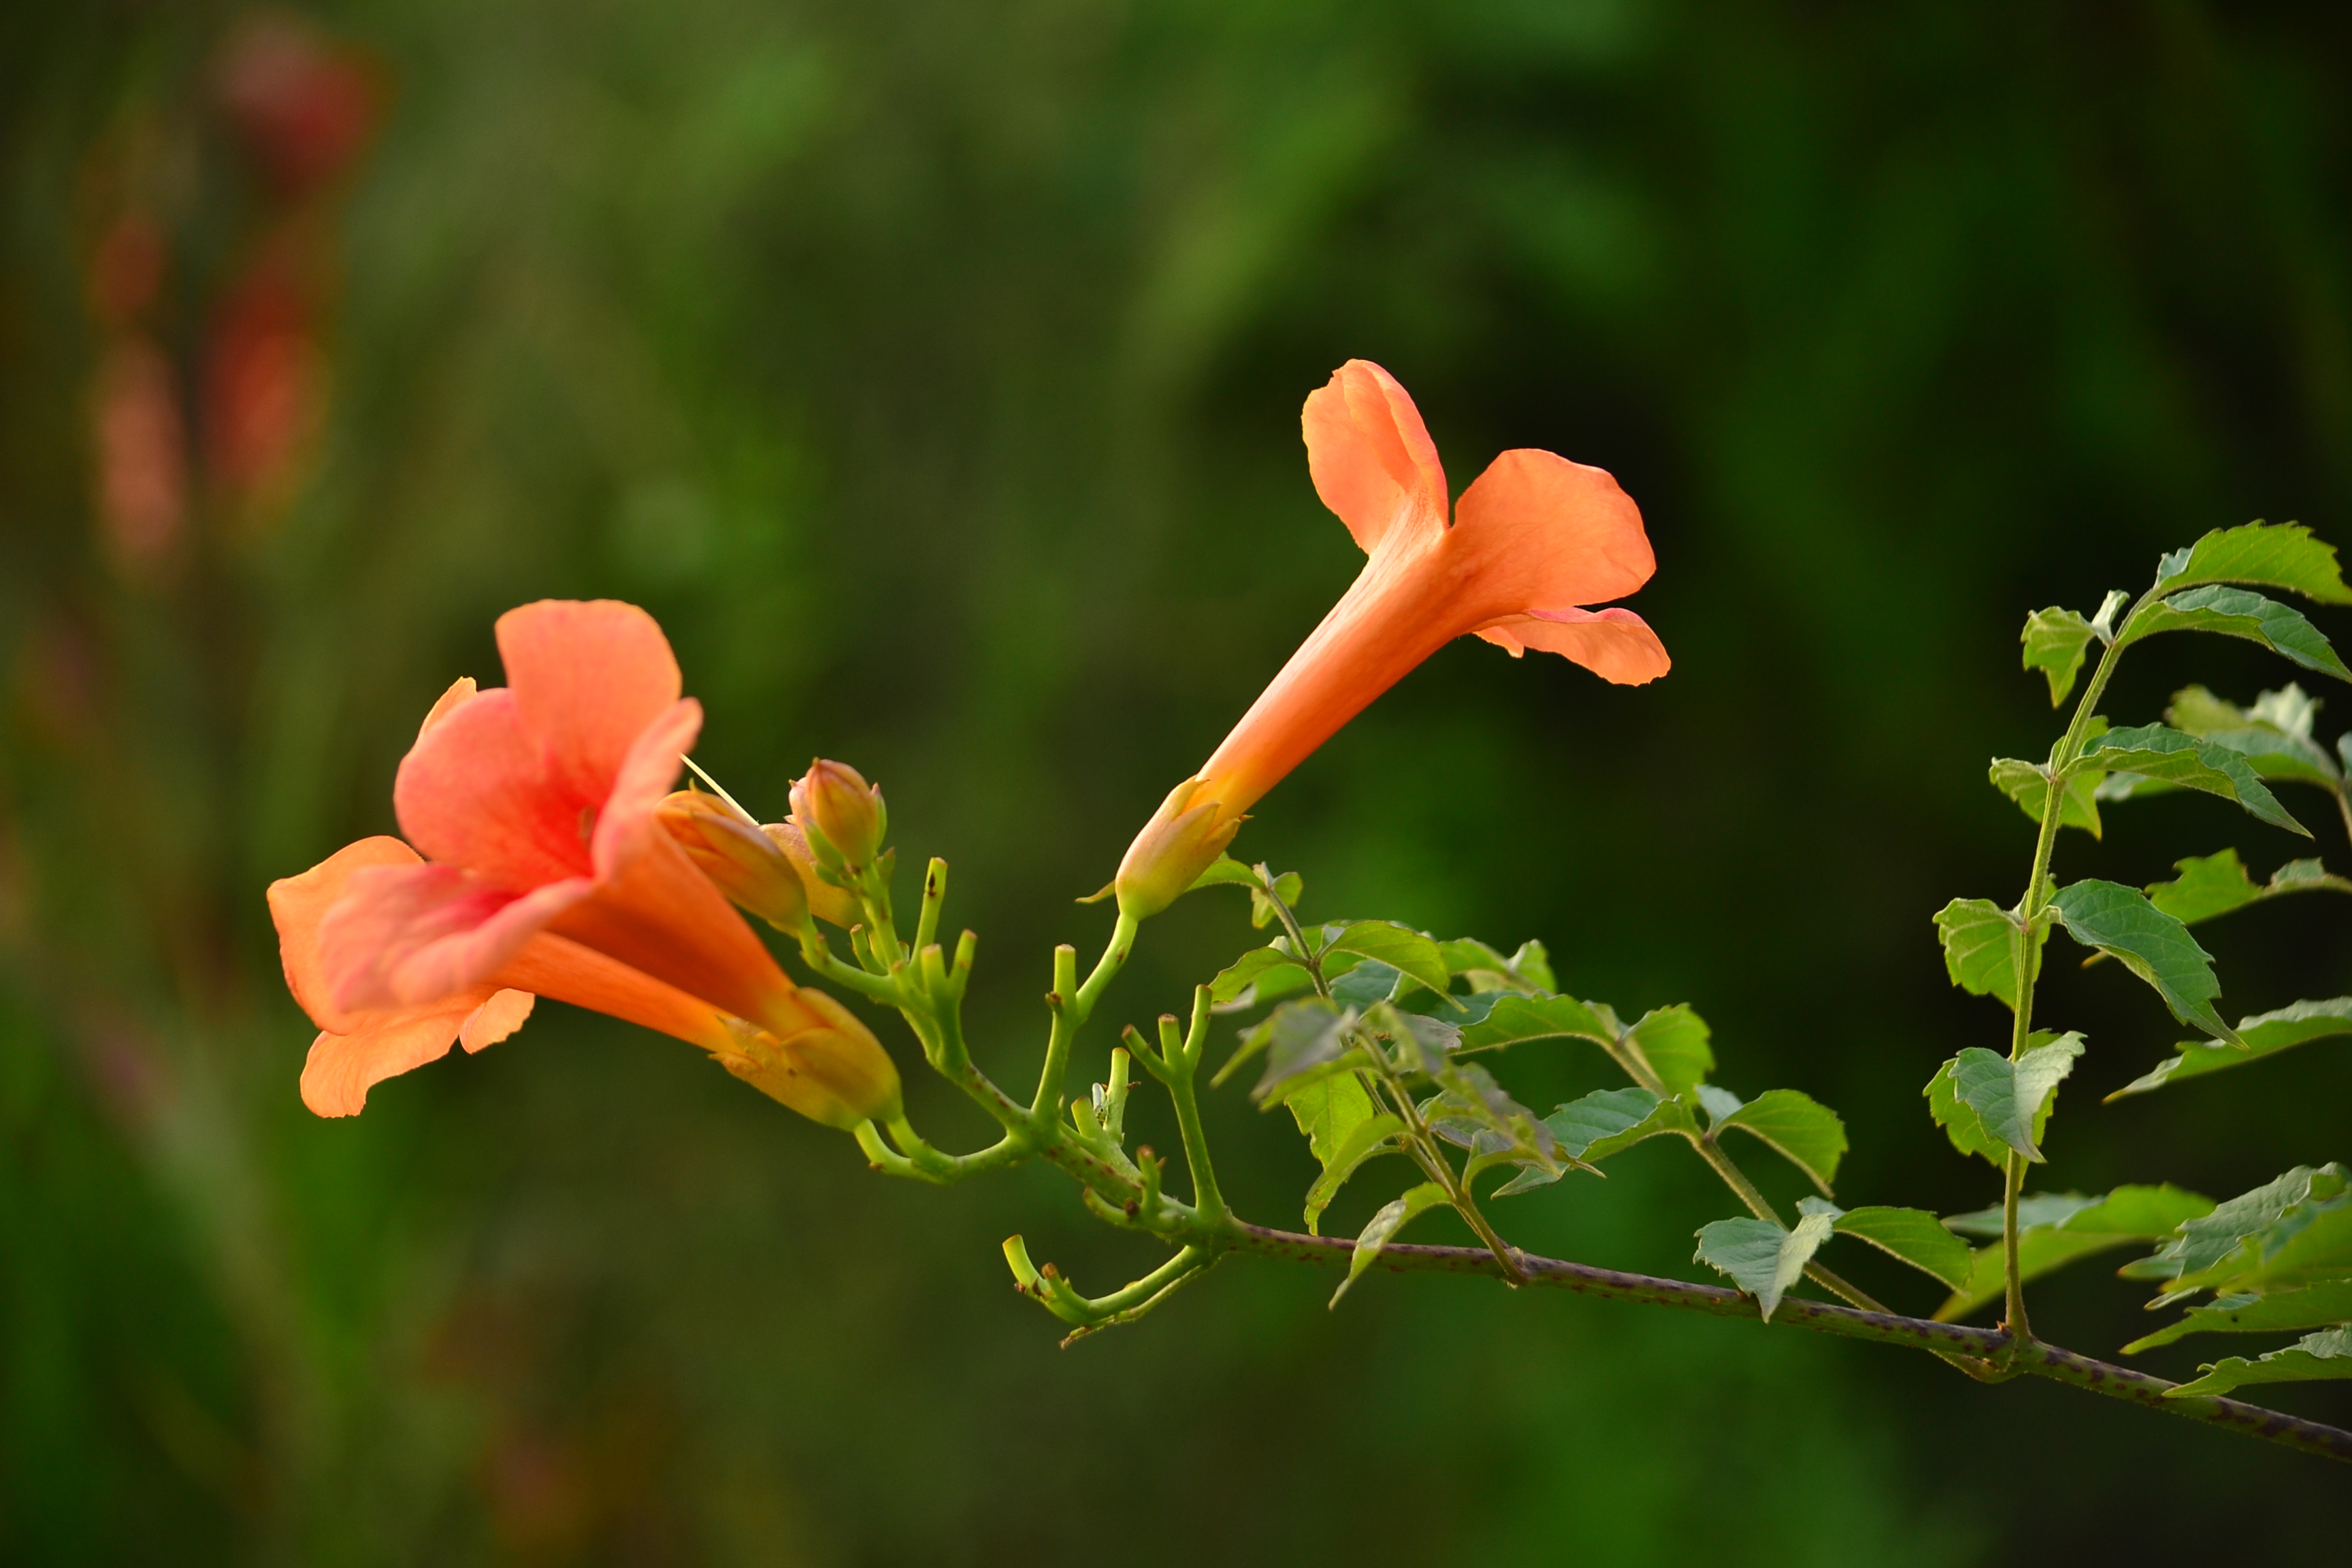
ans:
(1114, 959)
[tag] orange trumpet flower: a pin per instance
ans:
(545, 870)
(1534, 540)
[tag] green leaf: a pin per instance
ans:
(1599, 1116)
(1370, 982)
(1486, 969)
(2313, 1307)
(2235, 612)
(1985, 1103)
(2120, 922)
(1259, 975)
(2326, 1354)
(2265, 1033)
(2027, 783)
(1225, 869)
(1329, 1113)
(1762, 1258)
(1534, 961)
(2160, 752)
(2014, 1099)
(1915, 1236)
(1675, 1041)
(1399, 948)
(1978, 954)
(2208, 885)
(1516, 1019)
(2056, 1228)
(2275, 554)
(1369, 1138)
(1800, 1128)
(2275, 737)
(1393, 1216)
(2054, 640)
(2244, 1235)
(1300, 1037)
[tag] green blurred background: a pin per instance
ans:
(932, 371)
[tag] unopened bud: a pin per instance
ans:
(834, 1071)
(825, 902)
(746, 863)
(1175, 847)
(842, 814)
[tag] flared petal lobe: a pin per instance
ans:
(1371, 458)
(1536, 531)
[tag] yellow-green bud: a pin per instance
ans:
(1175, 847)
(746, 863)
(835, 1071)
(842, 814)
(825, 902)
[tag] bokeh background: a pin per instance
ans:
(931, 370)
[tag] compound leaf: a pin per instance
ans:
(2264, 1033)
(2313, 1307)
(2160, 752)
(2057, 1228)
(2275, 554)
(2240, 613)
(2326, 1354)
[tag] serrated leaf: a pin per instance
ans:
(1225, 870)
(1301, 1037)
(1534, 961)
(1516, 1019)
(1718, 1102)
(1399, 948)
(2275, 737)
(2239, 612)
(2264, 1033)
(1603, 1114)
(1676, 1042)
(2027, 783)
(1368, 982)
(2057, 1228)
(2160, 752)
(1263, 972)
(1975, 1075)
(2313, 1307)
(2209, 885)
(2120, 922)
(1797, 1127)
(1760, 1257)
(2219, 1248)
(2326, 1354)
(2275, 554)
(1915, 1236)
(1393, 1216)
(1329, 1112)
(1978, 954)
(1486, 969)
(2054, 640)
(1372, 1136)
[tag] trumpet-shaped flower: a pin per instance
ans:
(1534, 540)
(536, 806)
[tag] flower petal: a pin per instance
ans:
(564, 971)
(406, 936)
(1370, 456)
(474, 791)
(496, 1018)
(461, 692)
(1616, 644)
(588, 677)
(342, 1068)
(1534, 532)
(299, 904)
(653, 761)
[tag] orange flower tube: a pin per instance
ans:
(1534, 540)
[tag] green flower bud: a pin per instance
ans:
(842, 814)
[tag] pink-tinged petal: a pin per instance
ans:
(1370, 456)
(655, 760)
(474, 791)
(342, 1068)
(1536, 531)
(496, 1019)
(1616, 644)
(406, 936)
(588, 677)
(299, 904)
(460, 692)
(655, 912)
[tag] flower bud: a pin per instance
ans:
(842, 814)
(834, 1071)
(1175, 847)
(745, 863)
(825, 902)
